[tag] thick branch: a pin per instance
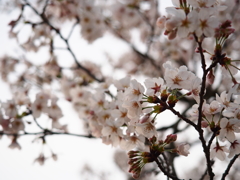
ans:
(164, 171)
(201, 95)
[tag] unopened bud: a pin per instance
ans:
(204, 124)
(160, 142)
(161, 22)
(136, 175)
(197, 50)
(166, 32)
(153, 139)
(210, 77)
(144, 118)
(170, 138)
(172, 34)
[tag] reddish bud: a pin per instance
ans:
(153, 139)
(172, 34)
(171, 138)
(160, 142)
(197, 50)
(204, 124)
(161, 22)
(144, 118)
(210, 77)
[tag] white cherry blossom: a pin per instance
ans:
(206, 23)
(154, 86)
(146, 129)
(228, 129)
(219, 152)
(132, 142)
(234, 148)
(135, 91)
(183, 148)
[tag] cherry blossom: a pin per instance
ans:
(147, 129)
(154, 86)
(234, 148)
(183, 148)
(219, 152)
(192, 74)
(184, 23)
(10, 108)
(228, 129)
(206, 23)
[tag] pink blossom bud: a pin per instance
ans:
(166, 32)
(171, 138)
(153, 139)
(204, 124)
(183, 148)
(210, 77)
(172, 34)
(136, 175)
(161, 22)
(144, 118)
(197, 50)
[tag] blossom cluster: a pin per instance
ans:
(14, 112)
(221, 116)
(125, 112)
(192, 16)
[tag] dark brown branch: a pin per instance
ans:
(45, 6)
(165, 161)
(182, 117)
(201, 95)
(205, 172)
(46, 132)
(164, 171)
(211, 140)
(229, 166)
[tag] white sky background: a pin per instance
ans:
(73, 152)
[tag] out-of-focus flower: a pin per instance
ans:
(182, 149)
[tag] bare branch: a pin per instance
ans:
(229, 166)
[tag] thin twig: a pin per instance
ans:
(46, 132)
(144, 57)
(71, 31)
(46, 21)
